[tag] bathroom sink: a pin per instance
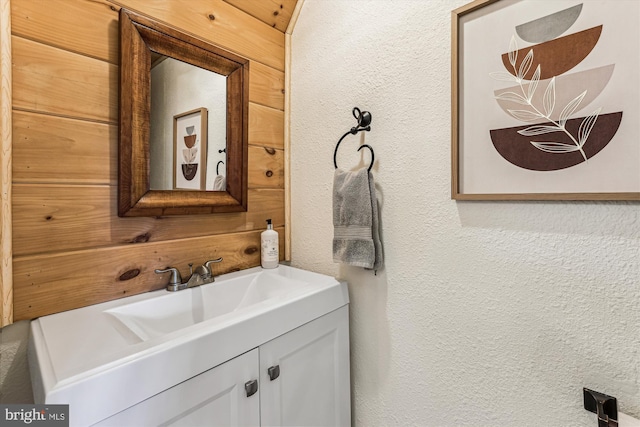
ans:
(177, 310)
(102, 359)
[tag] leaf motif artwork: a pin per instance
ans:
(570, 108)
(555, 147)
(586, 126)
(544, 100)
(513, 97)
(527, 74)
(534, 84)
(525, 65)
(549, 99)
(538, 130)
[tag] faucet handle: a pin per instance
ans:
(207, 264)
(175, 278)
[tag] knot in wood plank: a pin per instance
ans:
(129, 274)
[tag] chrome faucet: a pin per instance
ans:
(201, 276)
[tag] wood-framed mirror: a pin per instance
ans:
(190, 180)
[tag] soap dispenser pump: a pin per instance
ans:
(269, 253)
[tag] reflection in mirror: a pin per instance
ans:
(199, 129)
(188, 126)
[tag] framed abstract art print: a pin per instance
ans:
(546, 100)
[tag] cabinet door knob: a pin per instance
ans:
(251, 387)
(274, 372)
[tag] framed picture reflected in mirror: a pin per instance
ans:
(190, 150)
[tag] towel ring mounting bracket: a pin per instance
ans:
(364, 122)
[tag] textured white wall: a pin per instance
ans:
(487, 314)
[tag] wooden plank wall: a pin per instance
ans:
(6, 257)
(70, 249)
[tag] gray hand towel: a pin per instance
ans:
(220, 183)
(356, 234)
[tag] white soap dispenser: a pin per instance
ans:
(269, 254)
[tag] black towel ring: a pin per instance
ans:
(218, 165)
(364, 120)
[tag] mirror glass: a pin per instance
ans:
(184, 117)
(187, 147)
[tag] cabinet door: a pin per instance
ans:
(312, 387)
(216, 397)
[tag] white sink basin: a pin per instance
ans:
(106, 357)
(177, 310)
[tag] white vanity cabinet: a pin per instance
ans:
(303, 379)
(215, 397)
(184, 358)
(312, 388)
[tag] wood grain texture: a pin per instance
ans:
(55, 81)
(267, 169)
(84, 152)
(266, 126)
(85, 27)
(293, 20)
(133, 134)
(287, 132)
(287, 127)
(221, 24)
(139, 37)
(6, 257)
(275, 13)
(52, 80)
(52, 283)
(266, 86)
(455, 87)
(65, 116)
(56, 218)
